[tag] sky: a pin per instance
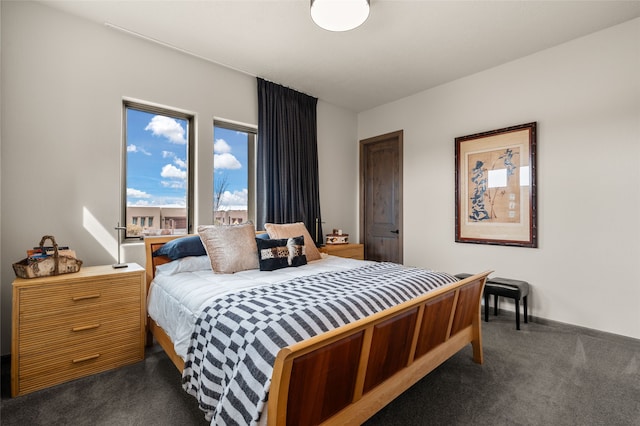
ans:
(157, 161)
(230, 158)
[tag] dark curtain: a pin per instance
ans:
(287, 158)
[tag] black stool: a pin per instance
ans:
(505, 287)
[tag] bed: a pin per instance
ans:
(354, 369)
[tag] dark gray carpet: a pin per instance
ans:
(541, 375)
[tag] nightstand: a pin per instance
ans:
(351, 250)
(74, 325)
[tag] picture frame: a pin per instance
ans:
(495, 187)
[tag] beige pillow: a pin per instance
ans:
(292, 230)
(231, 248)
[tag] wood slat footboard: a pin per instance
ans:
(348, 374)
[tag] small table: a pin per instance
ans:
(506, 287)
(350, 250)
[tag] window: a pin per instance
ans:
(157, 174)
(233, 173)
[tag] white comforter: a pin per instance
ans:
(176, 298)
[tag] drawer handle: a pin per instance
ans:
(85, 327)
(89, 296)
(86, 358)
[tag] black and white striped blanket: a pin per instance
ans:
(235, 342)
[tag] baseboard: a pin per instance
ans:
(585, 330)
(552, 323)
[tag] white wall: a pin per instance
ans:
(585, 96)
(338, 162)
(63, 81)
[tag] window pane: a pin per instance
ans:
(156, 173)
(231, 175)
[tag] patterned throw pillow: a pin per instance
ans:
(288, 230)
(281, 253)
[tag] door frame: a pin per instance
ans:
(398, 135)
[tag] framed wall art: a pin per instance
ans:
(496, 187)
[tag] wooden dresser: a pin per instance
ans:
(351, 250)
(74, 325)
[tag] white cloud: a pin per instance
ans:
(172, 202)
(173, 184)
(172, 172)
(168, 128)
(180, 163)
(220, 146)
(135, 193)
(226, 161)
(134, 148)
(176, 160)
(235, 200)
(177, 178)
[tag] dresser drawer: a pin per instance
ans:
(70, 298)
(39, 371)
(40, 333)
(80, 310)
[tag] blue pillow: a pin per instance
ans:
(280, 253)
(182, 247)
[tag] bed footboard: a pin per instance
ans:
(346, 375)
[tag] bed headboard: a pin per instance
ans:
(152, 244)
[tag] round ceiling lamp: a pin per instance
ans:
(339, 15)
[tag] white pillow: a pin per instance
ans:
(185, 264)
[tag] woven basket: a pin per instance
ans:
(55, 264)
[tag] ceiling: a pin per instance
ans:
(405, 46)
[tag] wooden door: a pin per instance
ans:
(381, 197)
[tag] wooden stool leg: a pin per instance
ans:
(517, 314)
(524, 304)
(495, 305)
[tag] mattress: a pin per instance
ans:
(182, 289)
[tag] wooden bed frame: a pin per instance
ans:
(346, 375)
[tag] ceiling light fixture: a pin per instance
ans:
(339, 15)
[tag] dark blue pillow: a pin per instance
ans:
(280, 253)
(182, 247)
